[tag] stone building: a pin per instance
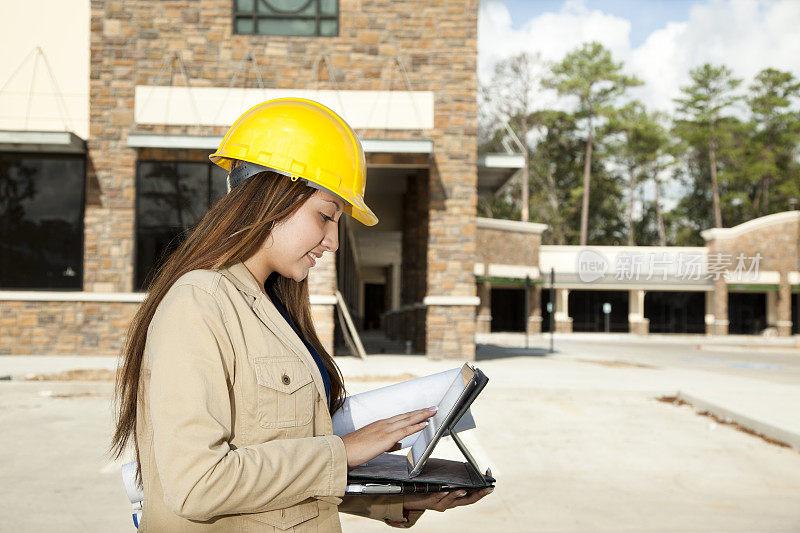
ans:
(745, 280)
(165, 80)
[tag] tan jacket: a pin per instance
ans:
(233, 428)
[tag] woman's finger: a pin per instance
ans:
(414, 418)
(419, 414)
(405, 431)
(472, 497)
(441, 495)
(449, 498)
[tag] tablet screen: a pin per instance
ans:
(448, 407)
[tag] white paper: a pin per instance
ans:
(365, 408)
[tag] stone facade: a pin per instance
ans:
(775, 240)
(507, 246)
(533, 324)
(505, 254)
(63, 328)
(410, 325)
(136, 43)
(506, 249)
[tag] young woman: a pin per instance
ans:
(225, 388)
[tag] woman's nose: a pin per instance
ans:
(331, 239)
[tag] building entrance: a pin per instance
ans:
(675, 312)
(747, 312)
(508, 309)
(586, 310)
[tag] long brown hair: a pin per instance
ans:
(231, 231)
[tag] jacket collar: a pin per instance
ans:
(265, 310)
(243, 279)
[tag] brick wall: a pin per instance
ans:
(508, 247)
(437, 42)
(778, 244)
(129, 42)
(63, 328)
(777, 239)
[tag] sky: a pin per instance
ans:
(659, 41)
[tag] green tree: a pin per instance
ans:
(590, 74)
(556, 163)
(643, 149)
(775, 134)
(702, 111)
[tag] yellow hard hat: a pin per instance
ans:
(301, 139)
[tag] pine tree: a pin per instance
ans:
(590, 74)
(702, 109)
(775, 132)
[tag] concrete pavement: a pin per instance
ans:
(765, 400)
(770, 410)
(577, 441)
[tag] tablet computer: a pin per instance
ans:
(456, 401)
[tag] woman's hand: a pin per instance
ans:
(383, 435)
(442, 501)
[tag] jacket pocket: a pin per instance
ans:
(285, 392)
(290, 517)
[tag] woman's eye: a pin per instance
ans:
(326, 217)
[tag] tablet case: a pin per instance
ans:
(398, 469)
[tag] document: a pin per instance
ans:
(365, 408)
(387, 472)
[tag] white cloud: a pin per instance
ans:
(745, 35)
(550, 34)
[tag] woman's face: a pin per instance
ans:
(295, 244)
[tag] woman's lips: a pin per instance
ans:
(311, 257)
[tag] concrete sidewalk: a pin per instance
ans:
(742, 341)
(773, 413)
(768, 409)
(19, 366)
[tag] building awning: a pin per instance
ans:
(494, 170)
(200, 142)
(62, 142)
(221, 106)
(398, 146)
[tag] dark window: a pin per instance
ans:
(675, 312)
(747, 312)
(586, 310)
(171, 197)
(508, 309)
(286, 17)
(41, 221)
(374, 305)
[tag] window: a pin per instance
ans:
(286, 17)
(171, 197)
(41, 221)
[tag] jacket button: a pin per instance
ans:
(286, 379)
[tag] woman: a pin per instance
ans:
(225, 386)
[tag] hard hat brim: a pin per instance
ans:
(359, 211)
